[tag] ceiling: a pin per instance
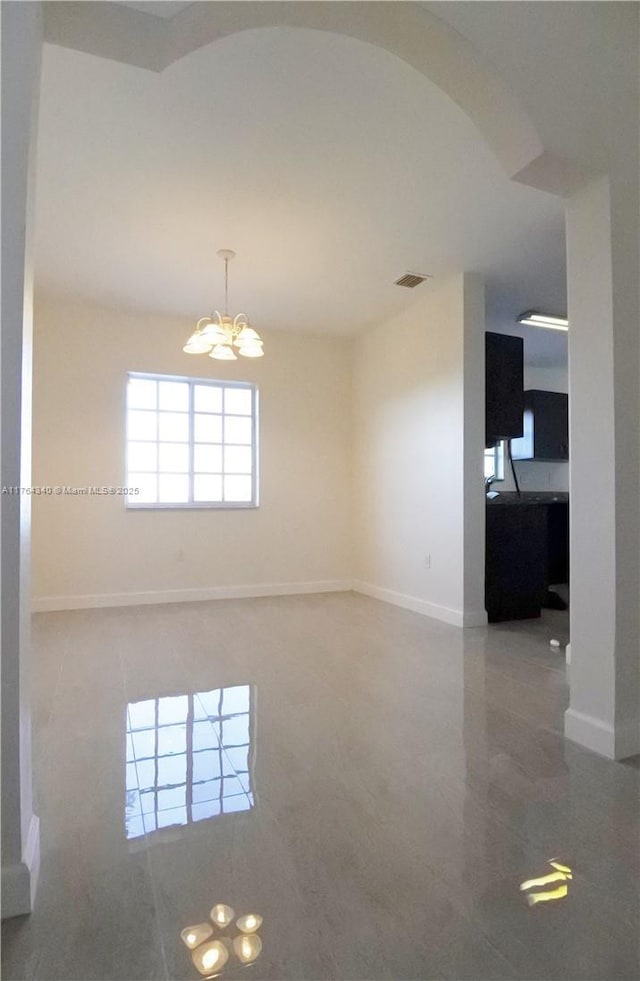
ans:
(159, 8)
(330, 166)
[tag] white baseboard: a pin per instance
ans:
(459, 618)
(20, 881)
(47, 604)
(602, 738)
(590, 732)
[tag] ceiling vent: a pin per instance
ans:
(411, 280)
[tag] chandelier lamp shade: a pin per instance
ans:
(221, 336)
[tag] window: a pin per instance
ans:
(188, 758)
(494, 461)
(191, 443)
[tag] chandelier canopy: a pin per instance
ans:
(220, 333)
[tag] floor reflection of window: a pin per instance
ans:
(188, 758)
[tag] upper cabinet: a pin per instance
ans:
(504, 372)
(545, 427)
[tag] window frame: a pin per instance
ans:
(130, 502)
(499, 455)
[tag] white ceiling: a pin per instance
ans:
(159, 8)
(330, 166)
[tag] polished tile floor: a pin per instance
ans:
(374, 784)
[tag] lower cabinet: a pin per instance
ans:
(558, 543)
(516, 561)
(527, 551)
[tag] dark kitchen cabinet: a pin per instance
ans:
(527, 550)
(545, 427)
(516, 556)
(504, 377)
(557, 543)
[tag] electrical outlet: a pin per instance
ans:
(180, 555)
(427, 561)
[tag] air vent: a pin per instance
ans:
(411, 280)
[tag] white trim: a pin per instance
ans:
(468, 618)
(599, 736)
(590, 732)
(129, 499)
(46, 604)
(20, 881)
(32, 855)
(459, 618)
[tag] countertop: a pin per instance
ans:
(529, 497)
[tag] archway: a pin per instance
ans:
(407, 30)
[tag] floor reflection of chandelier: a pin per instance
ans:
(209, 955)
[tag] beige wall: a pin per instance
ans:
(408, 493)
(88, 547)
(412, 485)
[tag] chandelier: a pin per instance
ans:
(220, 333)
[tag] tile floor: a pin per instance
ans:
(375, 784)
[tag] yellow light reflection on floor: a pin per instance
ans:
(562, 868)
(561, 874)
(546, 897)
(211, 956)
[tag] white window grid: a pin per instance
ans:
(193, 444)
(189, 758)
